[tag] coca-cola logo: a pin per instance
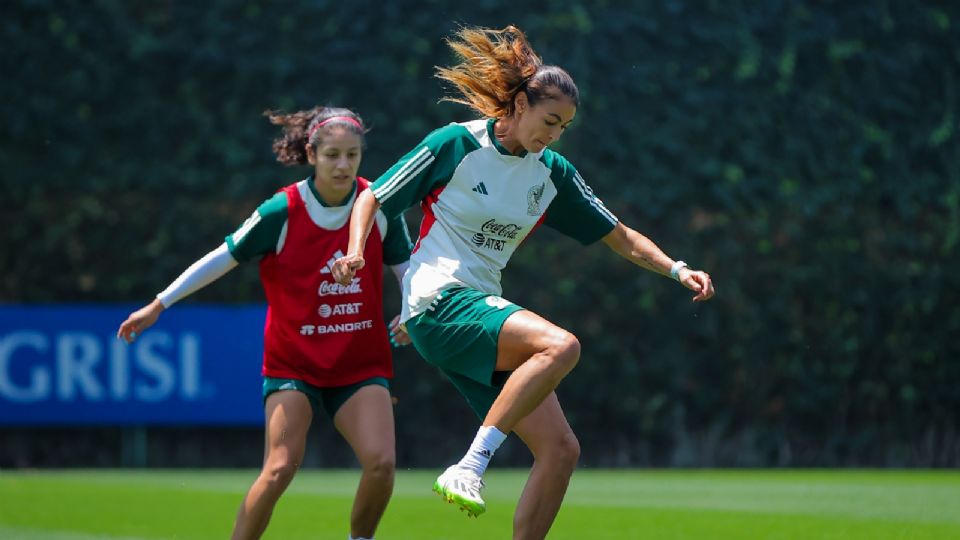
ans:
(328, 288)
(503, 230)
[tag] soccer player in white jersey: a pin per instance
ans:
(483, 187)
(325, 345)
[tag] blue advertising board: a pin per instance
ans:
(63, 365)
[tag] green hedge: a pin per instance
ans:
(805, 153)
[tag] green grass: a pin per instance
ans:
(621, 504)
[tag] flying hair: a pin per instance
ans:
(494, 65)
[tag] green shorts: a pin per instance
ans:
(459, 335)
(328, 399)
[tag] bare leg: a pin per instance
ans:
(366, 422)
(555, 450)
(540, 354)
(288, 417)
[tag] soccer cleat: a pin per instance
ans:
(461, 487)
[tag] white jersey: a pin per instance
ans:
(479, 203)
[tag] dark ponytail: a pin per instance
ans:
(308, 127)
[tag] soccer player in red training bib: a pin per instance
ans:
(483, 187)
(325, 344)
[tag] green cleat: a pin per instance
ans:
(462, 488)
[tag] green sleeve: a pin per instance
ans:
(260, 232)
(428, 166)
(397, 244)
(575, 211)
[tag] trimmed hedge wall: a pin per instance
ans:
(805, 153)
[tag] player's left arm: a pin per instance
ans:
(643, 252)
(579, 214)
(398, 333)
(396, 255)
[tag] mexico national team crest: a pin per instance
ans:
(533, 200)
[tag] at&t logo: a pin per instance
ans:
(352, 308)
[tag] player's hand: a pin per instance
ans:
(346, 267)
(698, 281)
(398, 336)
(139, 321)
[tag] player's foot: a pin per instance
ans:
(462, 488)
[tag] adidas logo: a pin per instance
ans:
(480, 188)
(336, 255)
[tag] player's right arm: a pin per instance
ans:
(361, 221)
(208, 269)
(261, 233)
(425, 168)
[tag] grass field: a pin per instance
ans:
(621, 504)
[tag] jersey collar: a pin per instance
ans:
(496, 143)
(316, 195)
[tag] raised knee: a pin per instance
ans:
(566, 350)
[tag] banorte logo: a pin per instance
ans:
(332, 288)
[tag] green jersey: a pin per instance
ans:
(479, 203)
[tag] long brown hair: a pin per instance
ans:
(309, 126)
(494, 65)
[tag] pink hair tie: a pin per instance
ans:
(332, 119)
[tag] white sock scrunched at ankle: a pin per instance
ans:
(488, 439)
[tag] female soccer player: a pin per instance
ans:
(325, 344)
(483, 187)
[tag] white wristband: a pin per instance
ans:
(675, 269)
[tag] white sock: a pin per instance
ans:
(350, 537)
(488, 439)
